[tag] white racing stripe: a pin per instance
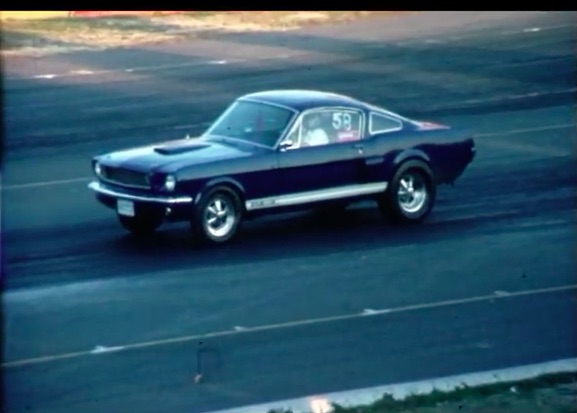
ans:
(400, 391)
(291, 324)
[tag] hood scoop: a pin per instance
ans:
(179, 147)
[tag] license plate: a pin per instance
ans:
(125, 208)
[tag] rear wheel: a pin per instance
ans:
(140, 225)
(411, 194)
(218, 215)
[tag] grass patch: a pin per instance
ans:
(39, 36)
(553, 393)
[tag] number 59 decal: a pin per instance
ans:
(342, 121)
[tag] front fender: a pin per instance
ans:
(224, 180)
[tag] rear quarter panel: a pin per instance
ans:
(447, 151)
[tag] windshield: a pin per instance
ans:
(252, 121)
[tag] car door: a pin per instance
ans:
(331, 169)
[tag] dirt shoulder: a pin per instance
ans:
(57, 35)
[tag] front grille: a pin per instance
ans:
(125, 177)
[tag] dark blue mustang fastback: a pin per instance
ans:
(279, 150)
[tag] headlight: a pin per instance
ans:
(170, 183)
(97, 169)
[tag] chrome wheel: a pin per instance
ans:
(412, 192)
(219, 216)
(410, 197)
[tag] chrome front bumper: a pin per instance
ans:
(167, 200)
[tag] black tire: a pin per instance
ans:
(141, 225)
(396, 201)
(229, 222)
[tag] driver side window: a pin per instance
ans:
(325, 126)
(315, 128)
(294, 136)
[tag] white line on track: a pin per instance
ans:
(82, 72)
(475, 33)
(85, 72)
(528, 130)
(290, 324)
(47, 183)
(191, 126)
(522, 148)
(522, 96)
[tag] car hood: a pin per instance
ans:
(176, 153)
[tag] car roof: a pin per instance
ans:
(302, 99)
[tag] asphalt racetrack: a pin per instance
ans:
(282, 313)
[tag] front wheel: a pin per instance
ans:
(217, 216)
(410, 196)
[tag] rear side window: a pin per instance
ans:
(380, 124)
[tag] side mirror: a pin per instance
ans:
(286, 144)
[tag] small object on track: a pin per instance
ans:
(198, 376)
